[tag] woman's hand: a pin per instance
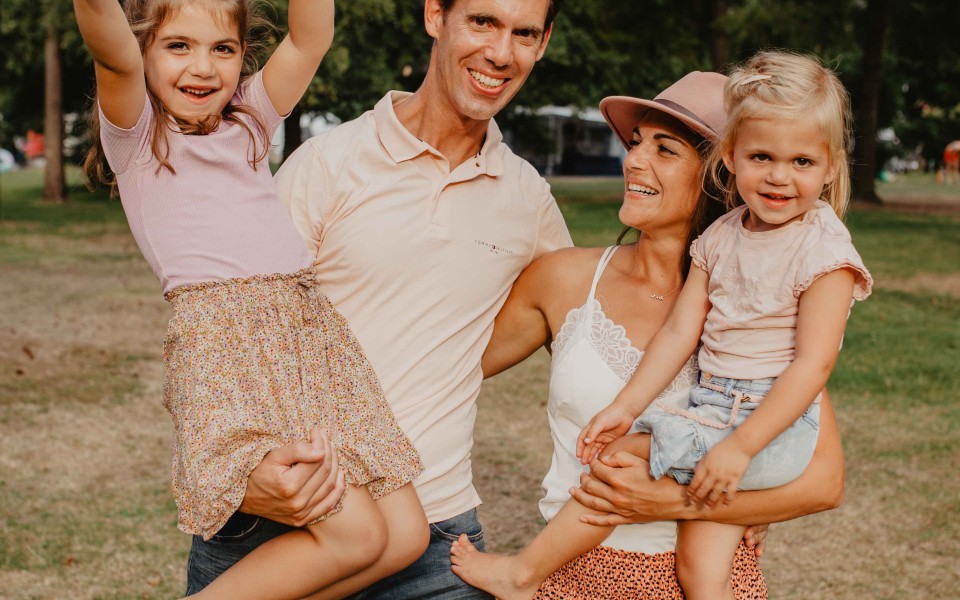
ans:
(621, 485)
(295, 484)
(607, 425)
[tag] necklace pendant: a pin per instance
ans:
(656, 297)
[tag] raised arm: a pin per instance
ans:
(118, 64)
(624, 489)
(293, 64)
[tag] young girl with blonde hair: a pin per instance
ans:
(256, 356)
(776, 278)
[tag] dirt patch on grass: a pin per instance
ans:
(925, 282)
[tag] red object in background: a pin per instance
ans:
(33, 147)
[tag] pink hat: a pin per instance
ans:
(696, 100)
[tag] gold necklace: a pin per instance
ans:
(660, 297)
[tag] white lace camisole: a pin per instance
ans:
(592, 360)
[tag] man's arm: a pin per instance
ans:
(623, 488)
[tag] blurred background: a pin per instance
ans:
(899, 59)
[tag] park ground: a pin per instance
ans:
(85, 506)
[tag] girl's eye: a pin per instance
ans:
(760, 157)
(804, 162)
(224, 49)
(177, 46)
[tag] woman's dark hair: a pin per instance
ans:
(709, 208)
(145, 18)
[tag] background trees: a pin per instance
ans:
(900, 60)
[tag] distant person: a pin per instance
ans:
(256, 355)
(951, 162)
(597, 310)
(419, 219)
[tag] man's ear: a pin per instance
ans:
(433, 17)
(543, 43)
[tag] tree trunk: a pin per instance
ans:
(719, 40)
(865, 149)
(291, 132)
(54, 189)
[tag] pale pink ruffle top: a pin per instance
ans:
(756, 279)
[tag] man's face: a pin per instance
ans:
(485, 50)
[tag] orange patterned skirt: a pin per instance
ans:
(610, 574)
(256, 363)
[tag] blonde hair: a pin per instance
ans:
(776, 84)
(146, 17)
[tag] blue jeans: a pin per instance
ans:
(679, 441)
(429, 577)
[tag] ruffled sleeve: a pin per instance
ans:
(704, 250)
(830, 254)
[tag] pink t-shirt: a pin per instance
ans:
(756, 279)
(216, 218)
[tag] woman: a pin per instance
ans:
(598, 308)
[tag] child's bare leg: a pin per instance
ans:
(407, 537)
(508, 577)
(637, 444)
(303, 561)
(564, 538)
(705, 554)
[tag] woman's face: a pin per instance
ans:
(661, 175)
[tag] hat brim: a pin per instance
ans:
(622, 114)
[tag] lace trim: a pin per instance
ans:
(610, 341)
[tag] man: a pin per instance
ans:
(420, 219)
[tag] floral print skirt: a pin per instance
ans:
(253, 364)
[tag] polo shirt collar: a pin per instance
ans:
(402, 145)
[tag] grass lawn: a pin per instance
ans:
(85, 506)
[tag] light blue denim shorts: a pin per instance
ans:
(680, 440)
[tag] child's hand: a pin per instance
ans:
(607, 425)
(719, 473)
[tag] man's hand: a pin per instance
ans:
(295, 484)
(718, 474)
(621, 486)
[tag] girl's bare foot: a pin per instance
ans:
(502, 576)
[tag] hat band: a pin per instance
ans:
(680, 109)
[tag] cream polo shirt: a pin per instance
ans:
(419, 260)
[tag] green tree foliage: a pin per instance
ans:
(924, 93)
(23, 28)
(598, 48)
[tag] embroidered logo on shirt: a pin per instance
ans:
(493, 248)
